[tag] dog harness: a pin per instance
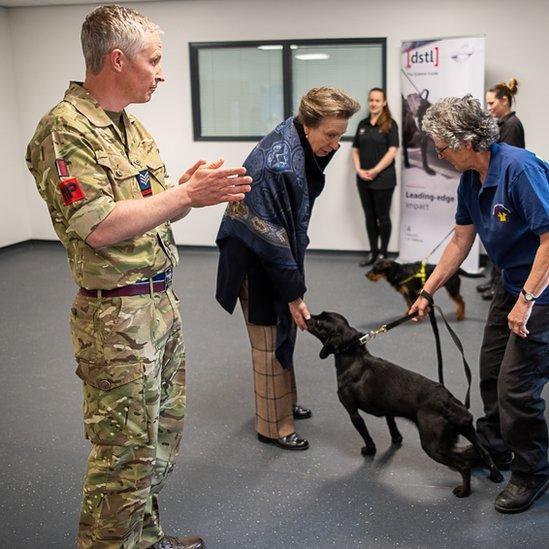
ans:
(421, 274)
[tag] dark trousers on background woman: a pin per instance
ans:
(376, 204)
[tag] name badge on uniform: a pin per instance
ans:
(144, 181)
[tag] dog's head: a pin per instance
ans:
(382, 268)
(333, 330)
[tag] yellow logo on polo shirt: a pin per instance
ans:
(501, 212)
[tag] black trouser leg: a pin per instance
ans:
(382, 205)
(496, 335)
(367, 201)
(524, 373)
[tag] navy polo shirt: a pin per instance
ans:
(509, 211)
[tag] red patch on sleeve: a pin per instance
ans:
(62, 168)
(71, 190)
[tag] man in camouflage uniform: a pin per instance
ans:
(111, 203)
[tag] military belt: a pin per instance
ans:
(157, 284)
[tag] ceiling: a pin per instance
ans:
(34, 3)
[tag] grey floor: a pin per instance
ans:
(227, 487)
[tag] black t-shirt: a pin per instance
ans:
(511, 131)
(372, 146)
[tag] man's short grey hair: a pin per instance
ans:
(456, 120)
(109, 27)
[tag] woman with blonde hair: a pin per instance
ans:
(262, 242)
(374, 149)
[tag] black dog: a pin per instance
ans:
(406, 279)
(383, 389)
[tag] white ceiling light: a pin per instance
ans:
(312, 56)
(270, 47)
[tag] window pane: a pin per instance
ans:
(353, 68)
(240, 90)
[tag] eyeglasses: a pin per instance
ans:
(440, 151)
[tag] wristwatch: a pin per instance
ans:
(528, 296)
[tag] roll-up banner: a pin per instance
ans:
(430, 70)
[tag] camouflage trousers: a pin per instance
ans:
(131, 358)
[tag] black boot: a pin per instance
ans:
(516, 498)
(481, 288)
(368, 260)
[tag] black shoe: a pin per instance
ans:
(501, 461)
(180, 542)
(370, 259)
(515, 498)
(489, 294)
(481, 288)
(290, 442)
(301, 413)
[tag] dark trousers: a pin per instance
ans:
(513, 372)
(376, 204)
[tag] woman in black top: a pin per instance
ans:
(499, 100)
(374, 149)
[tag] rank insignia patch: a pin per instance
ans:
(62, 168)
(144, 180)
(71, 190)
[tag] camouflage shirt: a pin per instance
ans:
(83, 165)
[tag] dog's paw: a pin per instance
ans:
(368, 450)
(396, 439)
(460, 492)
(496, 476)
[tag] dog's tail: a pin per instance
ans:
(470, 275)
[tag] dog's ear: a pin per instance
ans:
(331, 346)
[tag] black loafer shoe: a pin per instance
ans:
(290, 442)
(515, 498)
(501, 461)
(370, 259)
(180, 542)
(481, 288)
(301, 413)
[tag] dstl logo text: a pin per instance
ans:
(417, 58)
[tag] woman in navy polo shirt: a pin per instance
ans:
(503, 196)
(374, 149)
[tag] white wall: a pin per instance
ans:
(14, 223)
(47, 54)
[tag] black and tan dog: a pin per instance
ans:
(383, 389)
(408, 279)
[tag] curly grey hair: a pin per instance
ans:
(456, 120)
(108, 27)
